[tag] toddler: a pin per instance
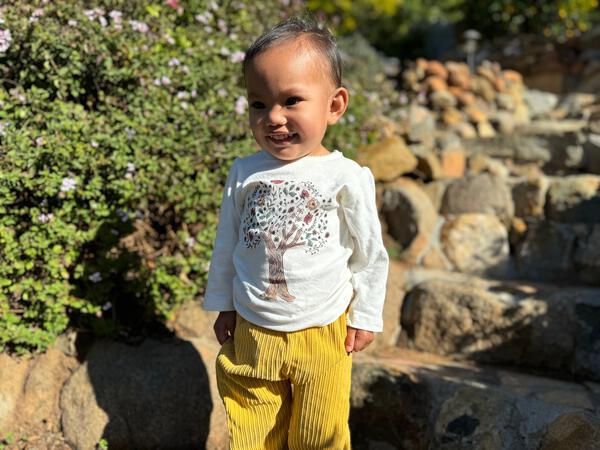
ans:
(299, 269)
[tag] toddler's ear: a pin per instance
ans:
(338, 105)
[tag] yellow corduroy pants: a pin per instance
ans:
(286, 390)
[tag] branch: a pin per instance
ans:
(295, 242)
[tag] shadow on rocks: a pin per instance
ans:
(139, 386)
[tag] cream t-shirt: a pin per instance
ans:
(297, 243)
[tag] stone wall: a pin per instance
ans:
(489, 194)
(551, 65)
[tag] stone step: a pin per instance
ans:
(410, 400)
(535, 326)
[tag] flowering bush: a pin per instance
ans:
(117, 128)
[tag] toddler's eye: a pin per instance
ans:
(292, 101)
(257, 105)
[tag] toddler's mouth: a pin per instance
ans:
(282, 138)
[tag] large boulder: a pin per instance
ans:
(546, 250)
(574, 198)
(559, 151)
(587, 256)
(30, 391)
(387, 159)
(592, 152)
(421, 125)
(540, 103)
(529, 196)
(410, 217)
(484, 193)
(154, 395)
(404, 400)
(476, 243)
(533, 326)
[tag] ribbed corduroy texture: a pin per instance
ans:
(258, 371)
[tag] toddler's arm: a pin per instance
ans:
(357, 340)
(224, 326)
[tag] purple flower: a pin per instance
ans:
(96, 277)
(68, 184)
(141, 27)
(45, 218)
(5, 40)
(204, 18)
(35, 15)
(240, 105)
(237, 57)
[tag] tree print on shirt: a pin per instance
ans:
(284, 215)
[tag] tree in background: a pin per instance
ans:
(399, 27)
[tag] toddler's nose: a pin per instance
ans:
(276, 116)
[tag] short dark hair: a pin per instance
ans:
(319, 37)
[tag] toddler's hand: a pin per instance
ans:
(224, 326)
(357, 340)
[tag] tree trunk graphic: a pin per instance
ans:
(277, 282)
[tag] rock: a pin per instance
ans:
(574, 198)
(410, 217)
(466, 130)
(572, 430)
(412, 400)
(421, 125)
(428, 163)
(436, 84)
(591, 150)
(485, 130)
(517, 232)
(13, 374)
(554, 126)
(460, 79)
(453, 162)
(478, 163)
(489, 74)
(504, 122)
(442, 100)
(484, 89)
(557, 151)
(532, 326)
(387, 159)
(30, 388)
(477, 244)
(435, 191)
(594, 122)
(575, 104)
(465, 98)
(540, 103)
(39, 404)
(475, 115)
(546, 252)
(452, 116)
(483, 193)
(529, 197)
(522, 114)
(587, 256)
(512, 76)
(505, 101)
(150, 396)
(436, 68)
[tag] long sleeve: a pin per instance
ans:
(369, 261)
(219, 289)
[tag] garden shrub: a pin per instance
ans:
(119, 120)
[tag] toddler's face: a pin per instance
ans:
(292, 100)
